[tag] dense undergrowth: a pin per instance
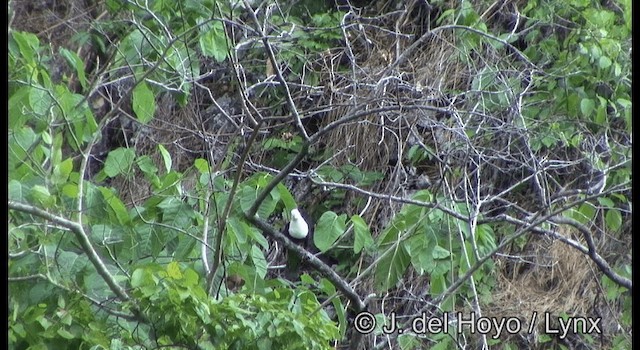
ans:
(459, 159)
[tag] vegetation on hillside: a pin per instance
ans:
(460, 160)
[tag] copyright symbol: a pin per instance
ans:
(365, 322)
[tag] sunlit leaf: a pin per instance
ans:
(144, 103)
(329, 228)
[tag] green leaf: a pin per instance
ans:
(286, 197)
(191, 277)
(61, 171)
(329, 228)
(173, 270)
(119, 161)
(116, 205)
(15, 190)
(140, 278)
(259, 261)
(613, 219)
(65, 333)
(624, 103)
(39, 100)
(20, 141)
(185, 247)
(17, 101)
(76, 63)
(176, 213)
(606, 202)
(70, 190)
(391, 268)
(438, 285)
(586, 106)
(440, 253)
(146, 165)
(202, 165)
(236, 230)
(213, 42)
(363, 237)
(601, 112)
(28, 44)
(144, 103)
(42, 196)
(248, 196)
(166, 157)
(604, 62)
(257, 236)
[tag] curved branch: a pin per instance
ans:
(602, 264)
(277, 179)
(86, 245)
(320, 266)
(217, 246)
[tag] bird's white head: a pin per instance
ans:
(298, 228)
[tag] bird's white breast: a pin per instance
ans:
(298, 228)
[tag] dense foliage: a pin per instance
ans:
(121, 240)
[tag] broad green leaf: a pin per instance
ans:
(202, 165)
(146, 165)
(257, 236)
(305, 278)
(15, 191)
(185, 247)
(259, 262)
(613, 219)
(466, 260)
(144, 103)
(140, 278)
(249, 195)
(116, 205)
(17, 102)
(176, 213)
(486, 238)
(437, 285)
(70, 190)
(191, 277)
(20, 141)
(443, 344)
(408, 342)
(440, 253)
(329, 228)
(624, 103)
(70, 263)
(42, 196)
(46, 137)
(28, 44)
(604, 62)
(65, 333)
(286, 197)
(119, 161)
(606, 202)
(173, 270)
(61, 171)
(586, 106)
(76, 63)
(391, 268)
(601, 112)
(236, 230)
(420, 248)
(213, 42)
(39, 100)
(363, 239)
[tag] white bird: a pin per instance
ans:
(298, 227)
